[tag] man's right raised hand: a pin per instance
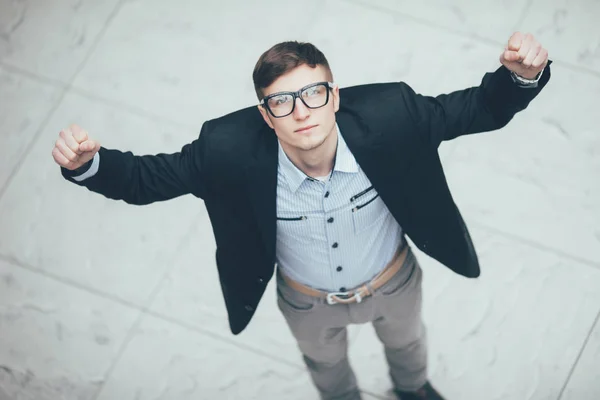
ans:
(74, 148)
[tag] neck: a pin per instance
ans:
(315, 162)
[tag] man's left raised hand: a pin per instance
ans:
(524, 55)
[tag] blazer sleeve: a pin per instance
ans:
(147, 179)
(483, 108)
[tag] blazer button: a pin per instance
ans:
(249, 307)
(260, 280)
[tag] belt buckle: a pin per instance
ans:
(331, 300)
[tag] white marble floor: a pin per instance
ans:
(101, 301)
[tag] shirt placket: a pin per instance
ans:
(333, 234)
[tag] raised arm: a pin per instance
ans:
(124, 176)
(524, 72)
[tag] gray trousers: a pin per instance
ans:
(395, 312)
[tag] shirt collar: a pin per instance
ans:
(344, 162)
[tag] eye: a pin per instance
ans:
(278, 100)
(313, 91)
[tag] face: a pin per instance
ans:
(304, 129)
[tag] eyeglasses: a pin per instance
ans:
(282, 104)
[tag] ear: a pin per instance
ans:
(336, 97)
(265, 116)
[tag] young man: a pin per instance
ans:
(322, 185)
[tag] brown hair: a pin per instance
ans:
(281, 59)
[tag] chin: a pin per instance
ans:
(306, 142)
(312, 143)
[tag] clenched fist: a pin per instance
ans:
(524, 55)
(73, 148)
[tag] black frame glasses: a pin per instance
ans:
(296, 95)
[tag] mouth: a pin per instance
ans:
(305, 129)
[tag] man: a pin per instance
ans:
(327, 201)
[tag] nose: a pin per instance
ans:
(301, 112)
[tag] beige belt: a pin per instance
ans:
(356, 295)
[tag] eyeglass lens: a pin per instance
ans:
(313, 97)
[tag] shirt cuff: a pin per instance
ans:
(524, 82)
(91, 171)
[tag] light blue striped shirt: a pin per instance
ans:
(336, 233)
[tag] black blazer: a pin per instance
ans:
(394, 135)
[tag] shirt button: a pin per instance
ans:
(342, 289)
(327, 194)
(338, 269)
(335, 245)
(330, 220)
(249, 307)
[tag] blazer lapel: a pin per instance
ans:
(261, 184)
(356, 133)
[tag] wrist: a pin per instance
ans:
(526, 80)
